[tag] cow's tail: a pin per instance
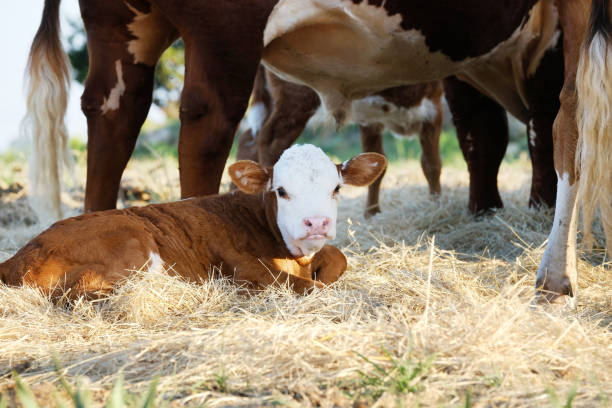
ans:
(47, 85)
(594, 118)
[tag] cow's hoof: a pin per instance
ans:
(372, 211)
(558, 293)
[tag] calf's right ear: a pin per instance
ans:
(250, 177)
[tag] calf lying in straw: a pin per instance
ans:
(273, 231)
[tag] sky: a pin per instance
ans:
(18, 24)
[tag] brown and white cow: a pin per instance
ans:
(346, 49)
(273, 231)
(280, 111)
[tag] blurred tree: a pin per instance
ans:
(169, 73)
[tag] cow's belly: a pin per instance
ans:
(356, 60)
(346, 51)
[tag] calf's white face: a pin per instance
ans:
(306, 184)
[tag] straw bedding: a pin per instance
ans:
(433, 310)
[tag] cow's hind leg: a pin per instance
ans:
(581, 131)
(115, 112)
(293, 106)
(482, 130)
(118, 92)
(222, 53)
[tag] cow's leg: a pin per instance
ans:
(557, 273)
(247, 146)
(212, 104)
(118, 93)
(543, 90)
(587, 73)
(112, 126)
(431, 163)
(261, 105)
(293, 106)
(372, 141)
(222, 53)
(482, 130)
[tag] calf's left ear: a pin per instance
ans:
(362, 169)
(250, 177)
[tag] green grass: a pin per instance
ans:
(401, 376)
(556, 402)
(347, 143)
(80, 397)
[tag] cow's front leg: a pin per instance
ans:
(328, 265)
(543, 89)
(482, 130)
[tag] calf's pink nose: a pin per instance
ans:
(317, 225)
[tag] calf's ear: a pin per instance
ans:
(250, 177)
(362, 169)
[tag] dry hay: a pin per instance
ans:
(452, 311)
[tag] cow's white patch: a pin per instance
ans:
(152, 35)
(403, 122)
(256, 117)
(532, 134)
(309, 178)
(156, 263)
(112, 102)
(558, 265)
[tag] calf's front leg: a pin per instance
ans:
(328, 265)
(261, 275)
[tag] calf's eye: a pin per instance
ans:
(336, 190)
(282, 193)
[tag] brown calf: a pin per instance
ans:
(272, 232)
(280, 111)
